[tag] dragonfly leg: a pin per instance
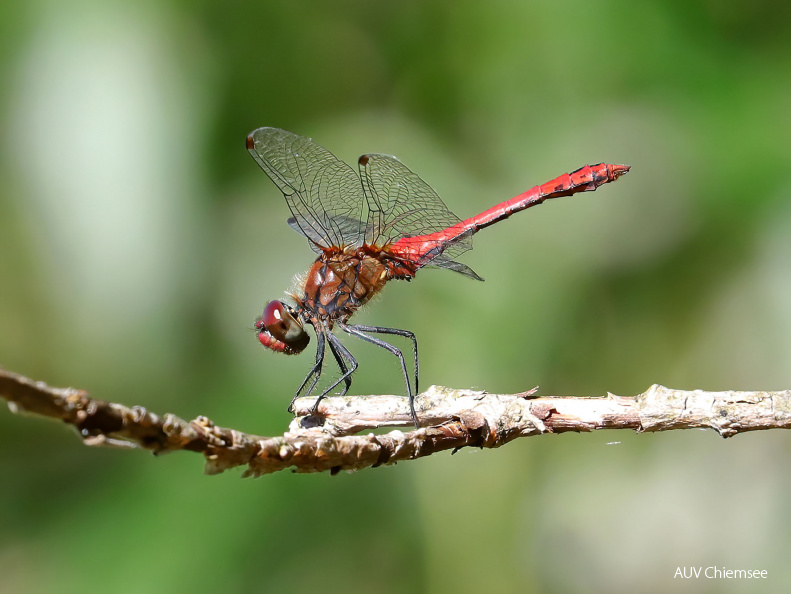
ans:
(315, 371)
(347, 383)
(397, 332)
(341, 353)
(358, 331)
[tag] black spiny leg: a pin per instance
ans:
(347, 383)
(355, 331)
(398, 332)
(341, 353)
(314, 372)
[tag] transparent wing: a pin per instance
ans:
(346, 225)
(314, 239)
(400, 204)
(442, 262)
(323, 193)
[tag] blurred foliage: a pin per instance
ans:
(138, 241)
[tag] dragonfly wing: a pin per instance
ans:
(314, 239)
(323, 193)
(400, 204)
(346, 225)
(443, 262)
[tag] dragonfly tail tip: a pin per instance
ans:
(619, 170)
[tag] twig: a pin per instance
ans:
(453, 419)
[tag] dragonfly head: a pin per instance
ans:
(279, 329)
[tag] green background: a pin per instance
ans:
(138, 241)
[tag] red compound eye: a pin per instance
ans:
(273, 315)
(281, 331)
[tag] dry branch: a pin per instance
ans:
(452, 418)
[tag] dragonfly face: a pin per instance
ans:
(280, 330)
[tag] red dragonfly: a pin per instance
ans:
(385, 223)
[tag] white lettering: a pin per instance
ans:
(713, 572)
(687, 572)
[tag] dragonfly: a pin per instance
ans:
(368, 228)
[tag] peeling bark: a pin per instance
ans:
(450, 419)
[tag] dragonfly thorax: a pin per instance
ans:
(340, 282)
